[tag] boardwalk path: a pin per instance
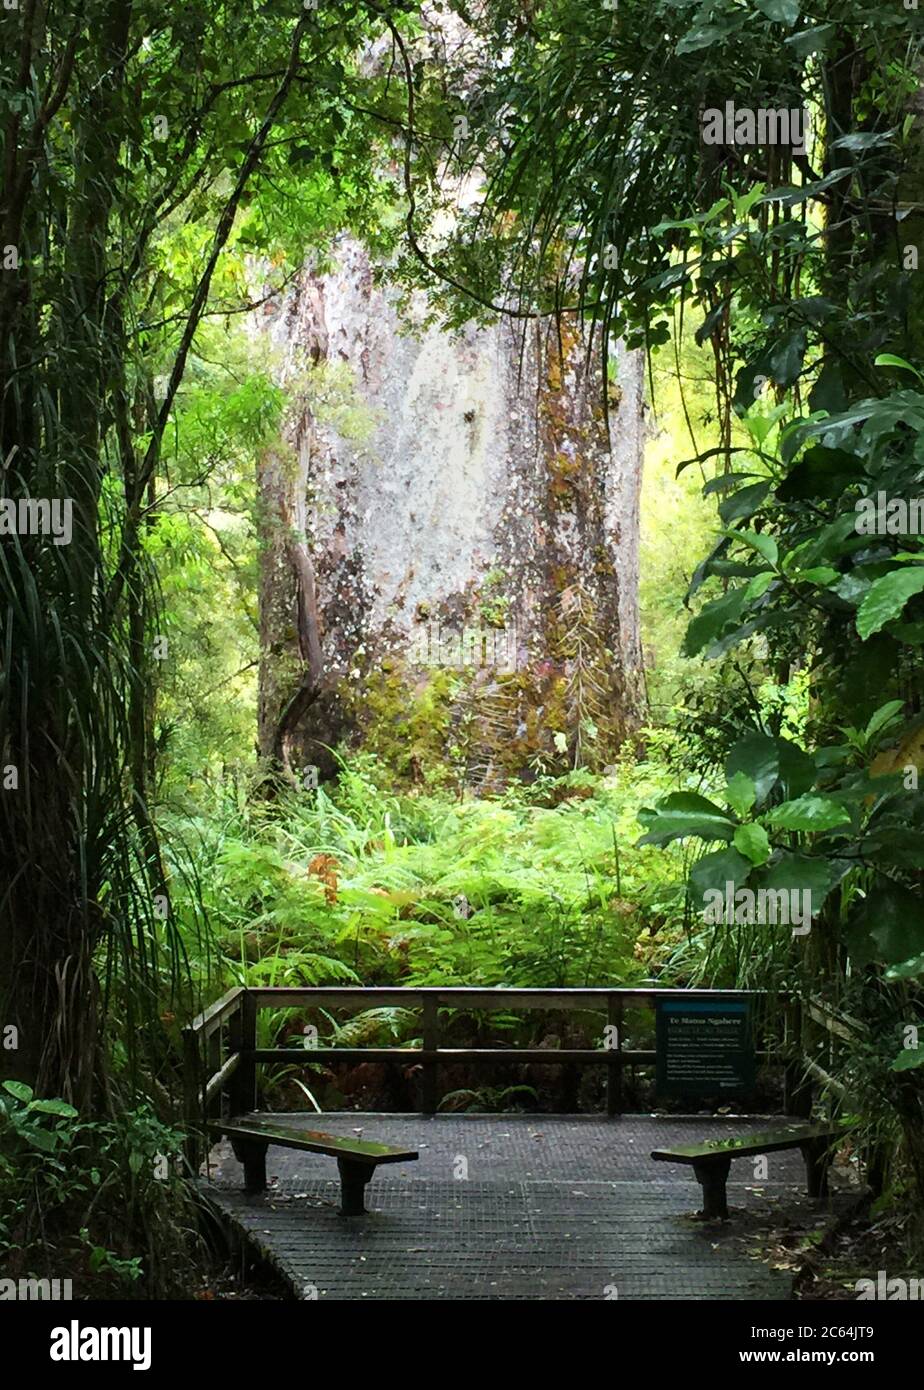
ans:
(553, 1207)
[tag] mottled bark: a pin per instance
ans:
(461, 479)
(291, 661)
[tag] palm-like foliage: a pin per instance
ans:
(131, 143)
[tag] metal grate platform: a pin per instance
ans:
(508, 1207)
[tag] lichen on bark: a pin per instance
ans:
(465, 480)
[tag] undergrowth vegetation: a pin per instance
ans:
(351, 883)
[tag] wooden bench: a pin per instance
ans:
(357, 1159)
(711, 1160)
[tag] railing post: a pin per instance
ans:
(213, 1064)
(234, 1045)
(192, 1097)
(243, 1089)
(797, 1088)
(431, 1040)
(614, 1015)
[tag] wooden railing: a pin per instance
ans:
(222, 1056)
(838, 1026)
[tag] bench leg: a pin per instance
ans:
(252, 1154)
(712, 1177)
(353, 1179)
(817, 1158)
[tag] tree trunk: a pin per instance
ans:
(463, 480)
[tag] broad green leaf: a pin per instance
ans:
(691, 803)
(760, 584)
(741, 793)
(709, 323)
(887, 598)
(822, 575)
(43, 1139)
(887, 926)
(888, 359)
(805, 873)
(884, 715)
(53, 1107)
(790, 195)
(713, 620)
(895, 846)
(715, 870)
(725, 482)
(745, 202)
(831, 542)
(19, 1089)
(908, 1059)
(786, 358)
(808, 41)
(829, 392)
(809, 813)
(749, 382)
(743, 503)
(751, 840)
(764, 545)
(686, 814)
(734, 637)
(820, 472)
(781, 11)
(912, 634)
(861, 140)
(907, 970)
(705, 35)
(758, 756)
(797, 769)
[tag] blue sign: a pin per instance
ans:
(705, 1049)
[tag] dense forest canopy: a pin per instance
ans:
(590, 185)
